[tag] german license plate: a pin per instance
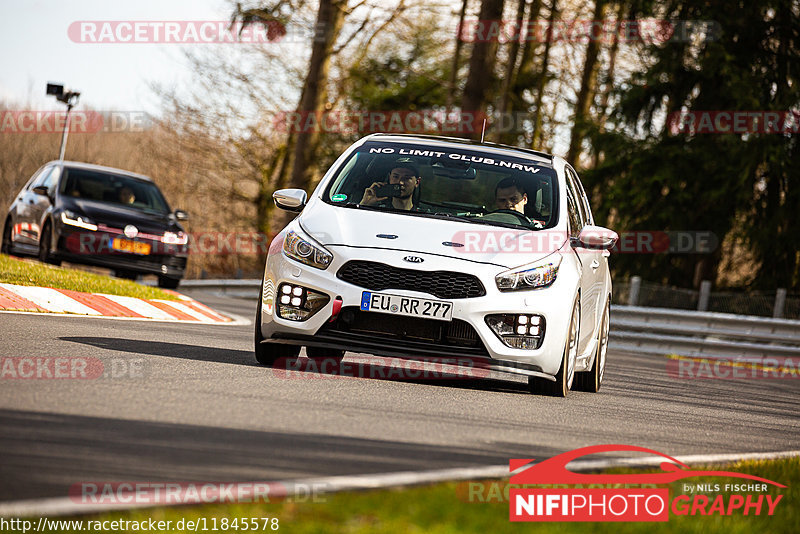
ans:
(126, 245)
(409, 306)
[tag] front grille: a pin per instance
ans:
(442, 284)
(455, 333)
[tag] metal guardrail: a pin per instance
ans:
(702, 334)
(646, 330)
(245, 288)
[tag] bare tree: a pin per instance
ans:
(587, 89)
(482, 63)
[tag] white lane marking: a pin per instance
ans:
(66, 506)
(141, 307)
(187, 310)
(50, 299)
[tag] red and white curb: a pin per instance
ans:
(49, 300)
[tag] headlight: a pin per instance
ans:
(70, 218)
(305, 251)
(171, 238)
(528, 276)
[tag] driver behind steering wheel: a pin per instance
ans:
(509, 195)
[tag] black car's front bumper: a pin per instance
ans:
(94, 248)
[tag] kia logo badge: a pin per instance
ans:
(413, 259)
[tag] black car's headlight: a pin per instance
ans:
(174, 238)
(73, 219)
(305, 250)
(531, 276)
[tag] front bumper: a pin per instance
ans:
(324, 330)
(94, 248)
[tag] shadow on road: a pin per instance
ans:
(44, 454)
(439, 373)
(169, 350)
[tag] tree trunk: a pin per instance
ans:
(612, 64)
(456, 56)
(537, 123)
(330, 18)
(583, 103)
(513, 53)
(523, 77)
(481, 67)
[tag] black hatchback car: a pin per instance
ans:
(100, 216)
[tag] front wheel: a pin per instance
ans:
(269, 353)
(167, 282)
(126, 275)
(319, 354)
(45, 242)
(5, 248)
(590, 380)
(566, 373)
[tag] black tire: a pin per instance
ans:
(168, 283)
(592, 379)
(127, 275)
(5, 248)
(45, 244)
(319, 354)
(269, 353)
(566, 373)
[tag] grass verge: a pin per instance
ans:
(445, 509)
(32, 273)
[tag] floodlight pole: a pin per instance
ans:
(70, 98)
(65, 133)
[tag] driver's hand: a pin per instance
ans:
(370, 197)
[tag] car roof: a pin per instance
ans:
(495, 148)
(98, 168)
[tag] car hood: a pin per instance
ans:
(480, 243)
(118, 216)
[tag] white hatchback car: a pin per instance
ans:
(420, 246)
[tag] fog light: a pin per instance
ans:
(524, 331)
(299, 303)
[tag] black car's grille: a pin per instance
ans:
(443, 284)
(398, 328)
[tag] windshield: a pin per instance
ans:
(463, 184)
(113, 188)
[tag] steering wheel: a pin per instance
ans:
(521, 216)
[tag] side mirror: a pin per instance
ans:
(595, 237)
(41, 190)
(181, 215)
(290, 199)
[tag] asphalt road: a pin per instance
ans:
(192, 405)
